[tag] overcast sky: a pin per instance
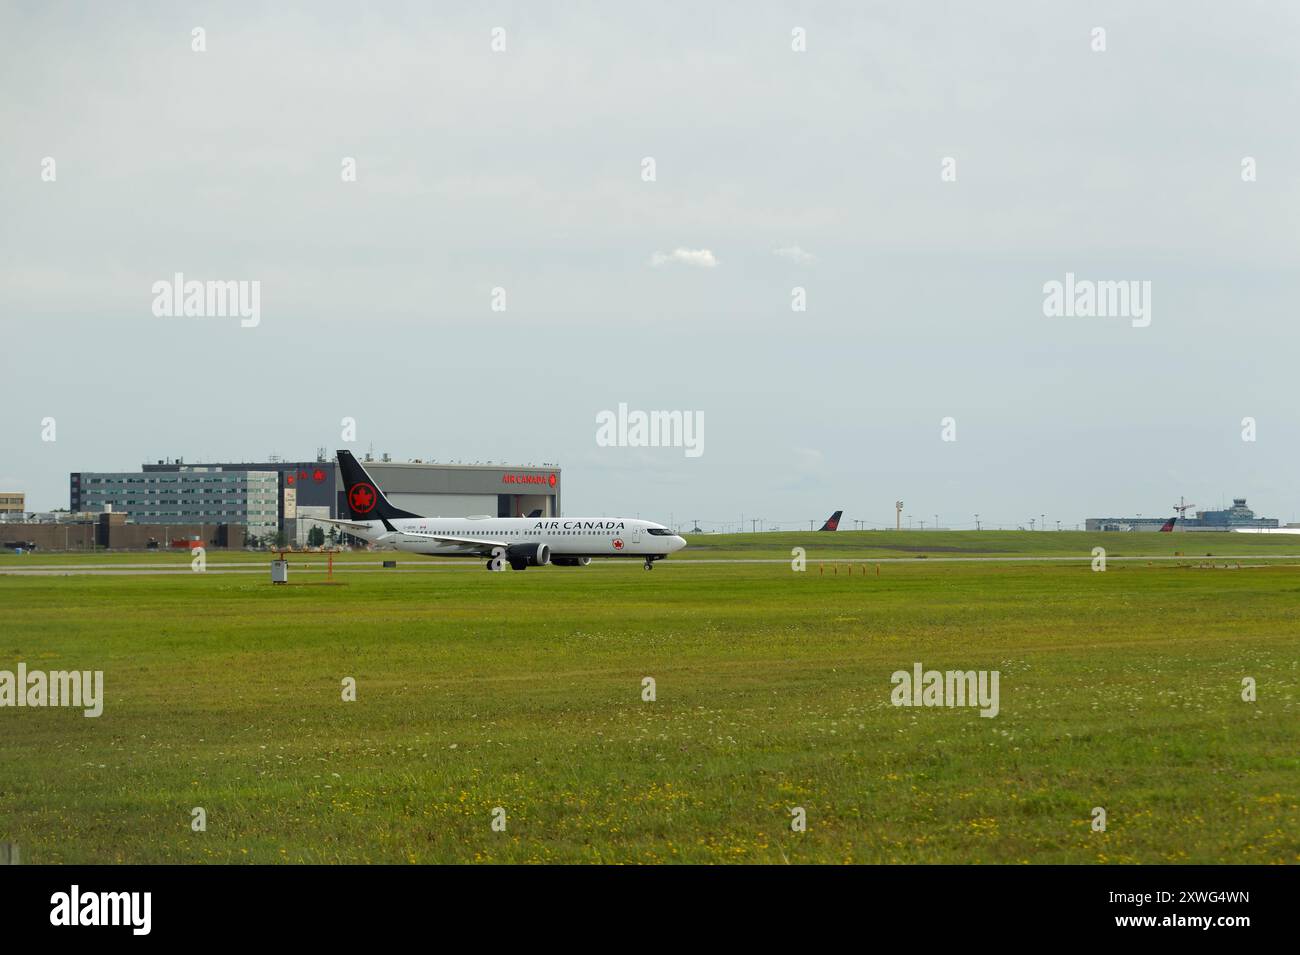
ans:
(522, 169)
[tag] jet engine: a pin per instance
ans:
(528, 555)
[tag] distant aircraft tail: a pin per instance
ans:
(832, 523)
(1169, 526)
(365, 500)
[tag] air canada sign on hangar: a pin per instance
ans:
(529, 479)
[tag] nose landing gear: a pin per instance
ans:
(649, 563)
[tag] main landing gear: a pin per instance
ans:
(497, 564)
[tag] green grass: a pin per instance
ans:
(842, 544)
(523, 691)
(934, 544)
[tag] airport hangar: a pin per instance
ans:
(314, 489)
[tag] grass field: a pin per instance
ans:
(858, 545)
(524, 691)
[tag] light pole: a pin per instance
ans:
(898, 515)
(977, 522)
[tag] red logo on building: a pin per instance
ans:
(362, 498)
(618, 543)
(529, 479)
(318, 476)
(288, 479)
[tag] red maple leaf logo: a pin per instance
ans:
(318, 476)
(552, 482)
(618, 543)
(361, 498)
(288, 479)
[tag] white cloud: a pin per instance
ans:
(700, 258)
(795, 254)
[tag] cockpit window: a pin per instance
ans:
(659, 532)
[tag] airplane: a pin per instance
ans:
(832, 522)
(521, 542)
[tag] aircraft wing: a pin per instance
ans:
(353, 525)
(480, 543)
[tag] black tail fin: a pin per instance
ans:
(365, 500)
(833, 523)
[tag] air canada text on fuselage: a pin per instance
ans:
(578, 526)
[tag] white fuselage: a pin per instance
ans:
(565, 536)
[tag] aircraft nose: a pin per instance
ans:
(678, 542)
